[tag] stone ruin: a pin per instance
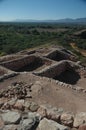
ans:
(6, 73)
(16, 112)
(52, 63)
(62, 71)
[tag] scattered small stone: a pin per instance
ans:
(27, 104)
(34, 106)
(53, 114)
(19, 105)
(6, 106)
(57, 81)
(12, 101)
(84, 91)
(79, 89)
(28, 95)
(14, 84)
(67, 119)
(42, 111)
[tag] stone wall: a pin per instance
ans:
(18, 63)
(57, 68)
(59, 55)
(10, 57)
(6, 73)
(2, 72)
(53, 70)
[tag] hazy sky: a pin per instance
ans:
(41, 9)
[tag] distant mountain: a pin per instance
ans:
(81, 20)
(67, 20)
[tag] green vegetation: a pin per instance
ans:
(15, 37)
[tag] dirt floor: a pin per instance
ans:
(45, 90)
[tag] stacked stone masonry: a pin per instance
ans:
(41, 64)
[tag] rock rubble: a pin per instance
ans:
(19, 113)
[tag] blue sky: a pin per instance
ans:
(41, 9)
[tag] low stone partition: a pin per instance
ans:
(53, 70)
(63, 71)
(26, 52)
(59, 55)
(5, 73)
(2, 71)
(26, 63)
(9, 58)
(19, 63)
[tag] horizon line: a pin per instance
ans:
(16, 20)
(51, 18)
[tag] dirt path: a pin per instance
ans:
(74, 46)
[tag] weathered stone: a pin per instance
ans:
(52, 112)
(82, 127)
(67, 119)
(27, 104)
(42, 111)
(19, 105)
(57, 81)
(79, 119)
(1, 124)
(1, 103)
(34, 106)
(61, 83)
(28, 95)
(21, 96)
(10, 127)
(60, 110)
(84, 91)
(46, 124)
(27, 124)
(6, 106)
(73, 128)
(12, 101)
(11, 117)
(79, 89)
(36, 116)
